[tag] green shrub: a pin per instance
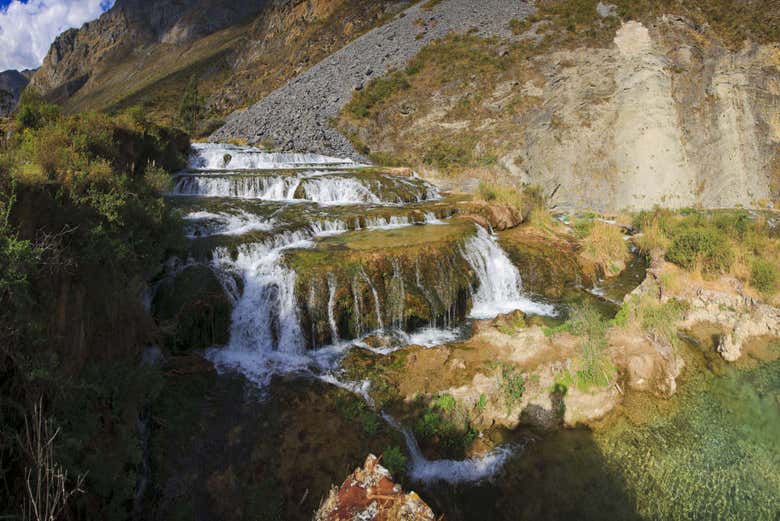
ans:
(394, 460)
(375, 92)
(765, 277)
(512, 385)
(706, 247)
(447, 153)
(594, 367)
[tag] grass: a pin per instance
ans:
(375, 92)
(604, 245)
(594, 368)
(765, 276)
(446, 424)
(714, 243)
(511, 384)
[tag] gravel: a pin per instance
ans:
(296, 116)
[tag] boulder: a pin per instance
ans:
(370, 493)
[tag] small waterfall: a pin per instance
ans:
(397, 296)
(206, 224)
(377, 304)
(500, 287)
(338, 190)
(334, 330)
(450, 471)
(266, 187)
(215, 156)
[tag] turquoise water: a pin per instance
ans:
(711, 452)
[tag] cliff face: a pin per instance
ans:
(659, 112)
(142, 53)
(12, 83)
(666, 116)
(78, 55)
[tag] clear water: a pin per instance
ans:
(711, 452)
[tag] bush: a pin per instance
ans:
(376, 91)
(706, 248)
(765, 277)
(394, 460)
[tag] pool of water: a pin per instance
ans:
(711, 452)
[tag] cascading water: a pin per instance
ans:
(266, 336)
(451, 471)
(215, 156)
(500, 287)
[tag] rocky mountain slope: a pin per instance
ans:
(11, 85)
(143, 54)
(296, 117)
(612, 106)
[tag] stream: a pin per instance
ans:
(252, 207)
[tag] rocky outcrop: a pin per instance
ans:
(667, 116)
(12, 83)
(130, 25)
(370, 493)
(741, 317)
(297, 116)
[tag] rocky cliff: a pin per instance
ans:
(142, 53)
(11, 85)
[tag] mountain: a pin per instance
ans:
(609, 105)
(12, 83)
(142, 53)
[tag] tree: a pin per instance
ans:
(191, 106)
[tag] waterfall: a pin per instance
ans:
(500, 287)
(450, 471)
(215, 156)
(314, 186)
(377, 304)
(206, 224)
(334, 330)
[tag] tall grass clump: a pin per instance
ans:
(605, 246)
(594, 367)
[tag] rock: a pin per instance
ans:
(605, 10)
(12, 83)
(319, 94)
(500, 217)
(586, 406)
(369, 493)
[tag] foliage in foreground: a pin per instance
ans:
(82, 226)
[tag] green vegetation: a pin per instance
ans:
(191, 107)
(394, 459)
(593, 367)
(355, 410)
(512, 385)
(765, 276)
(446, 425)
(715, 242)
(703, 248)
(377, 90)
(660, 318)
(604, 246)
(82, 227)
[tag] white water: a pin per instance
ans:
(206, 224)
(500, 287)
(314, 186)
(451, 471)
(212, 156)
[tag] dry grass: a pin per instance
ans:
(605, 248)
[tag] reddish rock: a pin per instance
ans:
(369, 493)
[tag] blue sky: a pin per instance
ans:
(28, 27)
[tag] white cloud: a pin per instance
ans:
(28, 29)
